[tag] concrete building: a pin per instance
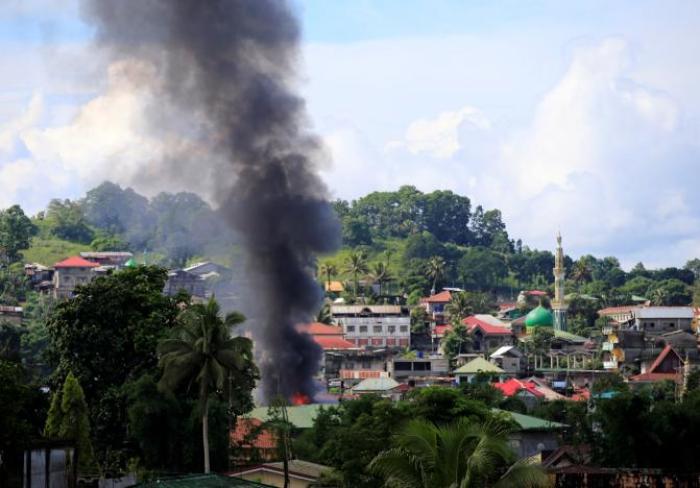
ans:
(416, 368)
(70, 273)
(374, 325)
(659, 320)
(181, 280)
(508, 358)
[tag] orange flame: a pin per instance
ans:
(300, 399)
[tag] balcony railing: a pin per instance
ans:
(608, 346)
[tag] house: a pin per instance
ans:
(374, 325)
(530, 391)
(181, 280)
(302, 474)
(420, 367)
(488, 333)
(12, 314)
(70, 273)
(251, 441)
(358, 363)
(620, 314)
(667, 366)
(384, 387)
(435, 306)
(114, 259)
(658, 320)
(207, 268)
(330, 338)
(40, 277)
(475, 367)
(508, 358)
(532, 435)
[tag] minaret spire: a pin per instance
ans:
(559, 304)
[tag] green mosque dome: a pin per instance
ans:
(131, 263)
(539, 317)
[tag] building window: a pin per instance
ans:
(366, 364)
(391, 329)
(377, 329)
(363, 329)
(403, 329)
(402, 366)
(350, 329)
(421, 366)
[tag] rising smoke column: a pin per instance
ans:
(221, 72)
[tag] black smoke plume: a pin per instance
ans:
(222, 74)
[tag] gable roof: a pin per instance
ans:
(506, 350)
(376, 384)
(479, 365)
(242, 434)
(513, 387)
(318, 328)
(75, 262)
(303, 470)
(653, 375)
(528, 422)
(488, 327)
(443, 297)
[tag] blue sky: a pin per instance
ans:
(579, 116)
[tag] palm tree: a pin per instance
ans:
(328, 270)
(459, 307)
(381, 274)
(460, 455)
(356, 264)
(201, 350)
(435, 270)
(581, 271)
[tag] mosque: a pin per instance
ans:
(556, 318)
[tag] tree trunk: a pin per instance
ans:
(205, 435)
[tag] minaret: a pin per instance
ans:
(559, 304)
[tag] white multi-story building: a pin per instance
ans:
(374, 325)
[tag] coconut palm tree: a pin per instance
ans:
(459, 307)
(328, 270)
(201, 350)
(381, 274)
(460, 455)
(435, 270)
(356, 264)
(581, 271)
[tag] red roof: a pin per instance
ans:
(333, 342)
(441, 330)
(507, 306)
(75, 262)
(489, 329)
(317, 328)
(536, 293)
(653, 375)
(581, 395)
(442, 297)
(243, 434)
(616, 310)
(513, 386)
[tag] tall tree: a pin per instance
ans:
(201, 350)
(356, 264)
(16, 231)
(460, 455)
(68, 419)
(435, 270)
(380, 274)
(459, 307)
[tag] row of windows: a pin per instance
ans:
(377, 329)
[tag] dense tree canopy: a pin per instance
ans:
(16, 231)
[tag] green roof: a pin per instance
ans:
(300, 416)
(528, 422)
(376, 384)
(539, 317)
(560, 334)
(201, 481)
(479, 365)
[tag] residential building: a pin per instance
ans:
(334, 346)
(357, 364)
(374, 325)
(11, 313)
(658, 320)
(207, 269)
(72, 272)
(621, 314)
(115, 259)
(302, 474)
(508, 358)
(488, 333)
(435, 306)
(477, 366)
(181, 280)
(667, 366)
(40, 277)
(416, 368)
(533, 435)
(384, 387)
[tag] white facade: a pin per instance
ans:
(374, 325)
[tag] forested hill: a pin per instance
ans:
(402, 238)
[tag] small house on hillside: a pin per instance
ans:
(488, 333)
(70, 273)
(476, 366)
(181, 280)
(507, 358)
(532, 435)
(667, 366)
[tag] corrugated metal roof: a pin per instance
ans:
(357, 309)
(479, 365)
(664, 313)
(527, 422)
(376, 384)
(300, 416)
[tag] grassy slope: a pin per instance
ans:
(393, 247)
(48, 250)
